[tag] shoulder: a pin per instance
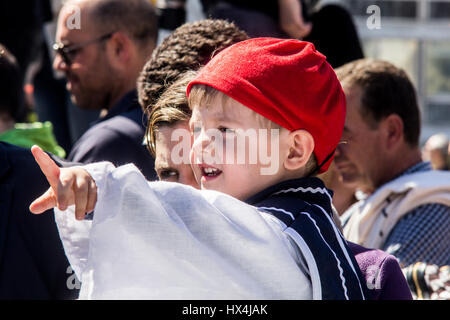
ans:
(19, 160)
(382, 273)
(425, 216)
(367, 257)
(419, 180)
(116, 126)
(431, 221)
(108, 140)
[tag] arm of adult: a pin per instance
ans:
(291, 19)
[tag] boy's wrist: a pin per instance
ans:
(98, 172)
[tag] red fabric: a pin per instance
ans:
(288, 82)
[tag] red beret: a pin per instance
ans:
(288, 82)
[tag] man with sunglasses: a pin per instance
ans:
(101, 57)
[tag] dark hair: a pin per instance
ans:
(188, 47)
(171, 108)
(135, 17)
(12, 101)
(386, 90)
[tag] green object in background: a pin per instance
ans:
(28, 134)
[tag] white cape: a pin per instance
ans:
(159, 240)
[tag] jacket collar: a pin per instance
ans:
(310, 190)
(128, 102)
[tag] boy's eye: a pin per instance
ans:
(168, 175)
(226, 130)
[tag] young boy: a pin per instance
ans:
(183, 243)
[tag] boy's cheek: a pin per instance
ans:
(195, 153)
(194, 168)
(192, 156)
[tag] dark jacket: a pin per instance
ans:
(117, 138)
(32, 260)
(304, 207)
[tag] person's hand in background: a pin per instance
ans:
(291, 19)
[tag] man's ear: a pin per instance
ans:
(301, 146)
(392, 127)
(119, 50)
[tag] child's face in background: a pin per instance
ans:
(165, 167)
(235, 150)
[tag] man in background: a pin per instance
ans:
(101, 58)
(408, 213)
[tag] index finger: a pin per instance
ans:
(47, 165)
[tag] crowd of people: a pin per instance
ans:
(334, 198)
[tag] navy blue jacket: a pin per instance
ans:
(32, 260)
(118, 138)
(304, 207)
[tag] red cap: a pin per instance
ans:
(288, 82)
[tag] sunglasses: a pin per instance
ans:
(68, 53)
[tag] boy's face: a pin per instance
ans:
(234, 150)
(166, 168)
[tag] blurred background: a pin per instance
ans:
(414, 35)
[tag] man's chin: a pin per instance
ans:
(349, 180)
(76, 101)
(82, 103)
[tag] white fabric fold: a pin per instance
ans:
(159, 240)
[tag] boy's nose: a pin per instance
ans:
(201, 141)
(204, 147)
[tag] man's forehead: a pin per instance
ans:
(352, 91)
(74, 21)
(353, 97)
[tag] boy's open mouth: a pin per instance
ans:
(210, 172)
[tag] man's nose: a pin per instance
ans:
(59, 64)
(339, 150)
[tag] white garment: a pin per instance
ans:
(372, 219)
(160, 240)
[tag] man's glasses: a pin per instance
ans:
(68, 53)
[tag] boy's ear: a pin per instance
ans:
(301, 146)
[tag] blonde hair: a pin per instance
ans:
(171, 108)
